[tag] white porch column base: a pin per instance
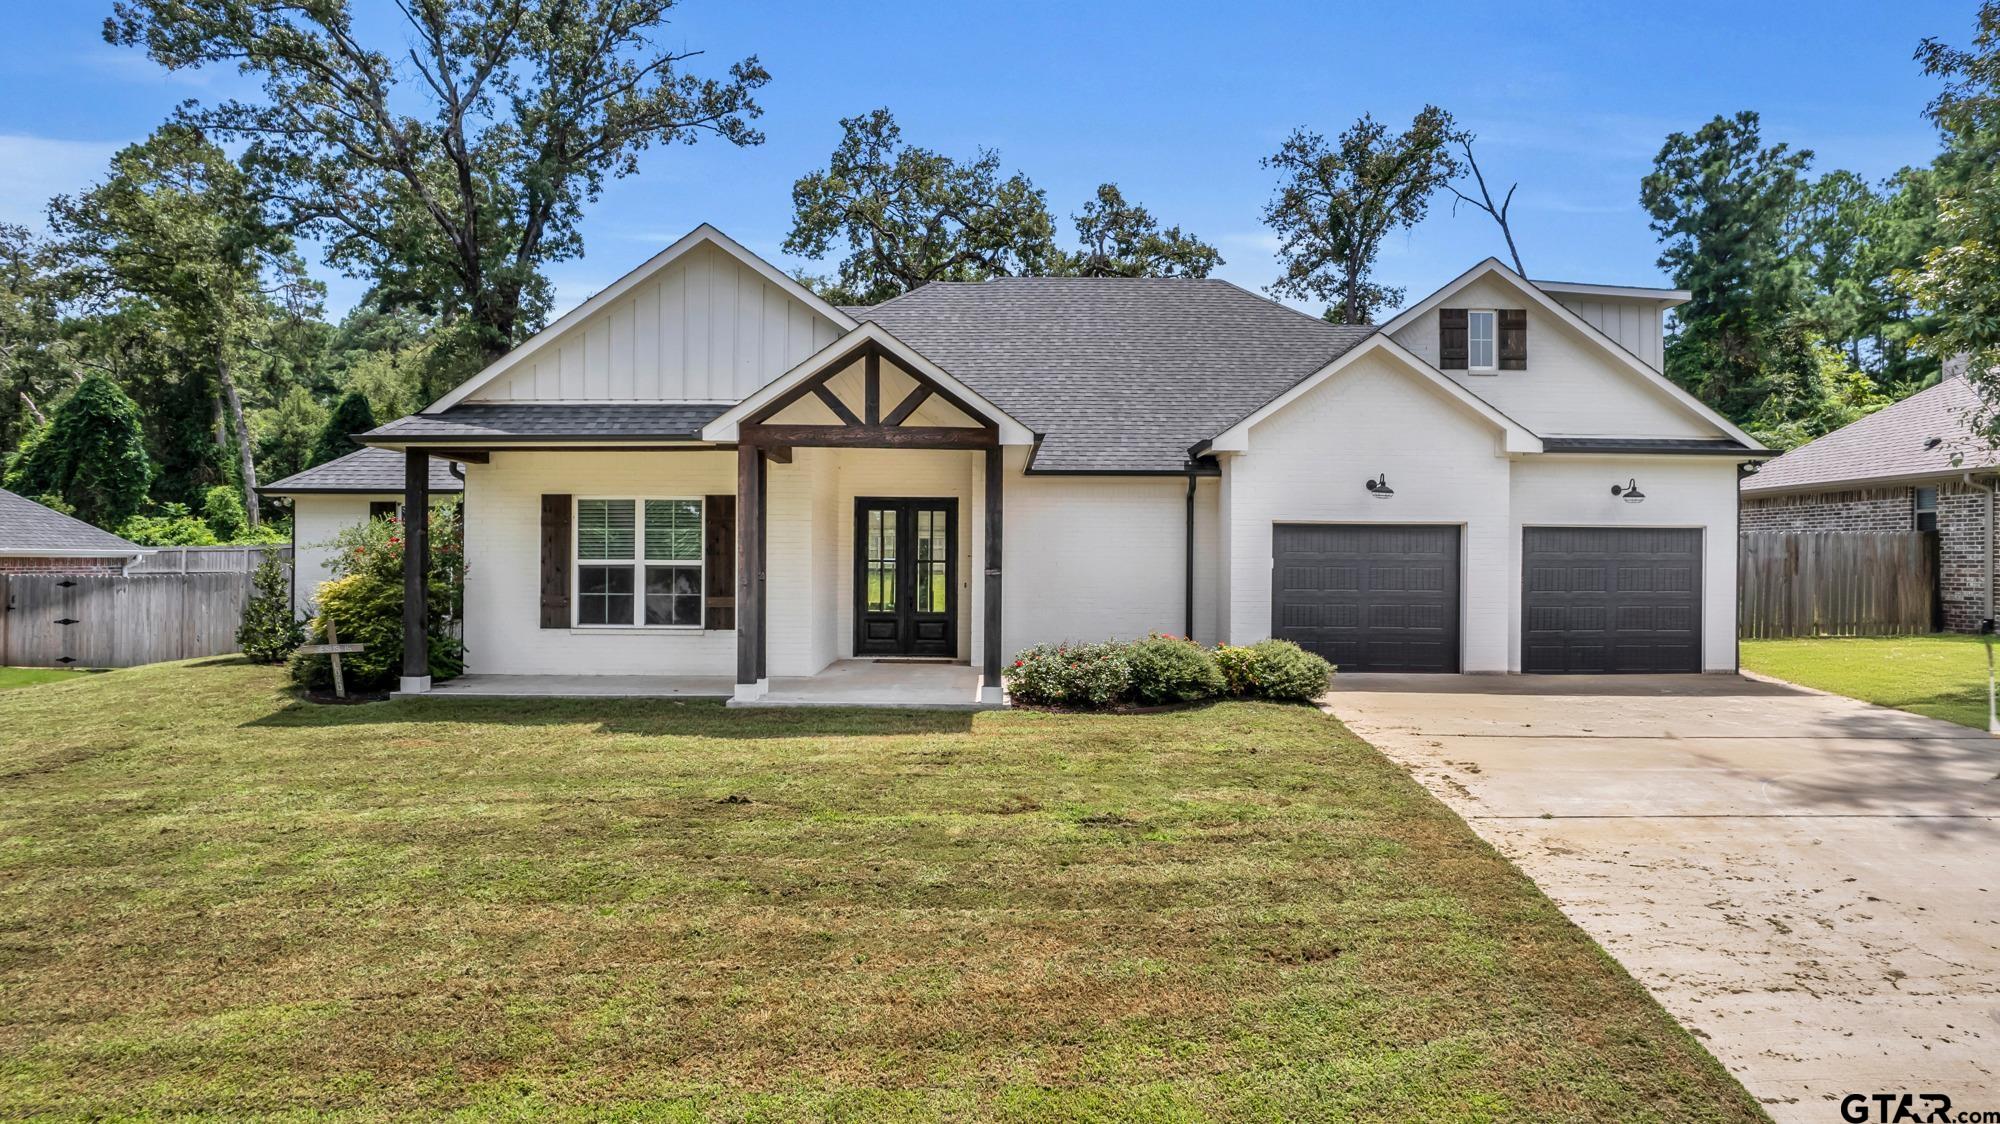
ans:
(751, 692)
(995, 695)
(415, 685)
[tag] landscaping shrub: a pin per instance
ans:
(1238, 666)
(1081, 675)
(1171, 669)
(1286, 671)
(270, 629)
(365, 604)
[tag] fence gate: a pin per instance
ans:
(1837, 583)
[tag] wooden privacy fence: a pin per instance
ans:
(1836, 583)
(104, 620)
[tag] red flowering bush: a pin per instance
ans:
(1079, 675)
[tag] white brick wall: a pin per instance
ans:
(1307, 464)
(315, 521)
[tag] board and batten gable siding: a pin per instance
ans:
(706, 328)
(1635, 324)
(1309, 461)
(1569, 387)
(1686, 492)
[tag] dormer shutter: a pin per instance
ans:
(1513, 325)
(1451, 339)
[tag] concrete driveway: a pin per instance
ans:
(1809, 883)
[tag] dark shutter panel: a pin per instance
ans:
(719, 561)
(556, 549)
(1513, 323)
(1451, 339)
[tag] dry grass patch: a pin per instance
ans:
(215, 900)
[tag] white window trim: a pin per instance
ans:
(638, 565)
(1917, 508)
(1493, 341)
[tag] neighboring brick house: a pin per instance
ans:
(1915, 466)
(40, 540)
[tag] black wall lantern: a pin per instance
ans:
(1379, 487)
(1629, 490)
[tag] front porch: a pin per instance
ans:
(894, 684)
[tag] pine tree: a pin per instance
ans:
(270, 629)
(352, 415)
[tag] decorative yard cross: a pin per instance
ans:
(332, 650)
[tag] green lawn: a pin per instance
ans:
(217, 901)
(12, 677)
(1943, 676)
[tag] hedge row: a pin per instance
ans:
(1163, 669)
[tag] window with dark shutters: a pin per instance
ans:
(555, 561)
(720, 562)
(1513, 339)
(1451, 339)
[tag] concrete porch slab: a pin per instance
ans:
(880, 683)
(583, 687)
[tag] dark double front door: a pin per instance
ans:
(905, 577)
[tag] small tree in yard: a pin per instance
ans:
(270, 629)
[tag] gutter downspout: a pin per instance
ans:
(1187, 608)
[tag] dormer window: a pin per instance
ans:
(1482, 340)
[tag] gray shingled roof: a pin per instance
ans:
(522, 422)
(28, 528)
(369, 470)
(1118, 374)
(1888, 444)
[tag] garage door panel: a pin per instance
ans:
(1380, 597)
(1611, 599)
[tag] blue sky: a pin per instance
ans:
(1174, 102)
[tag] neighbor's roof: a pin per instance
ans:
(1892, 443)
(368, 470)
(524, 423)
(1117, 374)
(29, 529)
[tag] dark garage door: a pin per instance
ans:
(1611, 599)
(1369, 598)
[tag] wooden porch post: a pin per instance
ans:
(994, 491)
(749, 569)
(416, 566)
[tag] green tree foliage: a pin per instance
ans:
(169, 524)
(93, 455)
(34, 361)
(1121, 239)
(270, 631)
(452, 161)
(1959, 277)
(908, 216)
(350, 416)
(1337, 201)
(1720, 199)
(177, 226)
(288, 433)
(222, 510)
(1816, 391)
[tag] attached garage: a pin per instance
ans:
(1611, 600)
(1368, 597)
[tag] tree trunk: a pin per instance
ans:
(249, 465)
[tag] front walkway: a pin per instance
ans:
(1809, 883)
(865, 683)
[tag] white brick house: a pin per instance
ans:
(706, 470)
